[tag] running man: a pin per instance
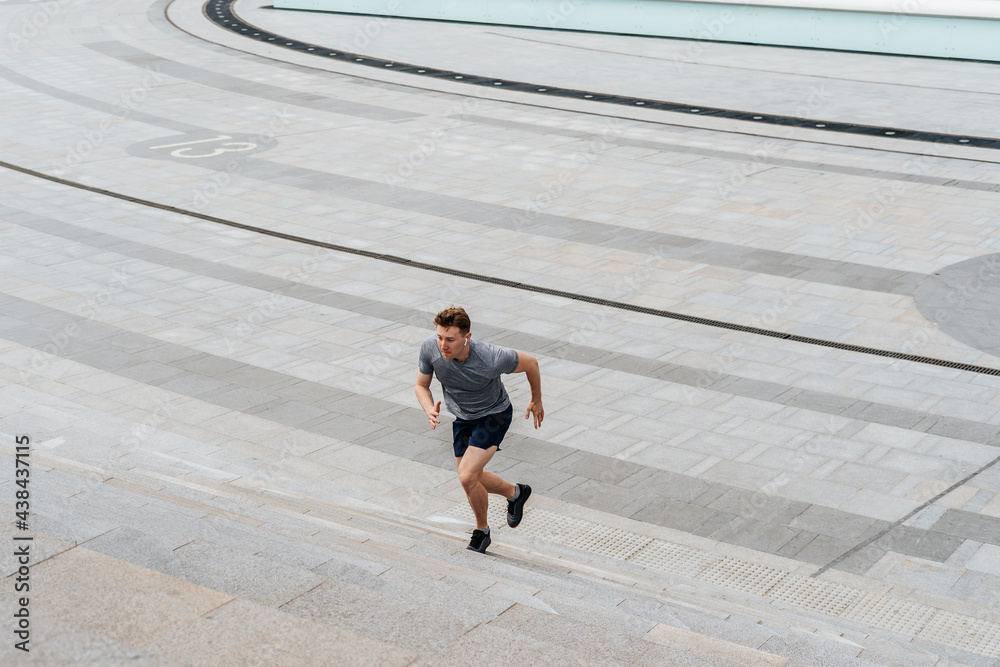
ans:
(469, 372)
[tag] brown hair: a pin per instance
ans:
(454, 316)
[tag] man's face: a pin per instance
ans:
(451, 342)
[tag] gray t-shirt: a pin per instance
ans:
(472, 389)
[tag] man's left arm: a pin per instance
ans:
(528, 365)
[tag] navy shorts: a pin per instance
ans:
(481, 433)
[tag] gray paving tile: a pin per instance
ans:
(733, 628)
(814, 400)
(499, 646)
(208, 365)
(191, 384)
(636, 365)
(860, 561)
(304, 391)
(663, 655)
(716, 524)
(968, 584)
(376, 615)
(598, 495)
(887, 655)
(105, 359)
(891, 416)
(139, 548)
(131, 342)
(768, 537)
(796, 544)
(953, 655)
(612, 638)
(832, 523)
(343, 427)
(408, 445)
(927, 544)
(758, 506)
(606, 469)
(674, 514)
(167, 353)
(404, 418)
(967, 525)
(964, 430)
(536, 451)
(59, 643)
(665, 484)
(292, 413)
(758, 389)
(243, 399)
(541, 479)
(426, 589)
(250, 577)
(824, 549)
(257, 378)
(816, 651)
(150, 372)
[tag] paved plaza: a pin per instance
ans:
(769, 353)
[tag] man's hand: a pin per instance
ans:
(535, 408)
(432, 415)
(528, 365)
(426, 399)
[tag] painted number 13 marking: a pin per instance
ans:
(226, 147)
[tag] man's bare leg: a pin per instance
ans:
(478, 483)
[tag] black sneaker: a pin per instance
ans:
(515, 508)
(480, 540)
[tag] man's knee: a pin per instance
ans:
(469, 479)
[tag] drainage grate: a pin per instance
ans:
(959, 631)
(221, 12)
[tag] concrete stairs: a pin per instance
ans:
(255, 574)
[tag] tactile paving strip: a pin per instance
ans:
(673, 558)
(948, 628)
(822, 596)
(576, 533)
(891, 614)
(973, 635)
(742, 575)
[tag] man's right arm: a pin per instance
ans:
(426, 399)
